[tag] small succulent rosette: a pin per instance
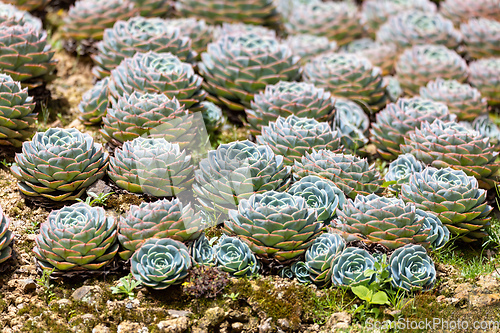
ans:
(412, 269)
(235, 257)
(6, 238)
(320, 255)
(348, 267)
(202, 252)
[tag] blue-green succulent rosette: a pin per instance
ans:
(202, 252)
(348, 267)
(412, 269)
(439, 235)
(235, 257)
(320, 255)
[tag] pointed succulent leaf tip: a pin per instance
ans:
(418, 65)
(76, 237)
(293, 136)
(275, 225)
(353, 175)
(139, 35)
(349, 266)
(449, 144)
(236, 170)
(454, 197)
(6, 238)
(348, 75)
(485, 76)
(320, 255)
(59, 164)
(160, 263)
(153, 166)
(412, 269)
(248, 56)
(235, 257)
(382, 220)
(159, 219)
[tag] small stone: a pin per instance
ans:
(85, 319)
(130, 327)
(266, 325)
(28, 285)
(339, 320)
(283, 323)
(235, 315)
(87, 294)
(179, 313)
(99, 187)
(213, 317)
(237, 327)
(177, 325)
(482, 300)
(101, 329)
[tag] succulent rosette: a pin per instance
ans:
(289, 98)
(6, 238)
(87, 19)
(485, 76)
(59, 164)
(438, 234)
(350, 112)
(401, 169)
(197, 30)
(275, 225)
(258, 12)
(212, 116)
(320, 255)
(412, 269)
(398, 120)
(381, 54)
(16, 113)
(139, 35)
(462, 99)
(422, 63)
(235, 257)
(352, 174)
(237, 66)
(393, 88)
(25, 53)
(202, 252)
(238, 28)
(161, 73)
(307, 46)
(235, 171)
(159, 219)
(76, 237)
(152, 8)
(140, 114)
(413, 27)
(481, 37)
(349, 266)
(320, 194)
(292, 137)
(454, 197)
(339, 21)
(375, 13)
(448, 144)
(300, 272)
(462, 10)
(348, 75)
(94, 103)
(152, 166)
(286, 272)
(352, 123)
(485, 126)
(160, 263)
(28, 5)
(11, 15)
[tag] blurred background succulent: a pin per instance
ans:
(16, 113)
(338, 21)
(292, 137)
(238, 28)
(463, 100)
(422, 63)
(320, 194)
(197, 30)
(375, 13)
(258, 12)
(401, 169)
(94, 103)
(289, 98)
(153, 8)
(161, 73)
(141, 114)
(235, 171)
(25, 53)
(6, 238)
(159, 219)
(485, 126)
(202, 252)
(320, 255)
(392, 88)
(485, 76)
(395, 122)
(152, 166)
(28, 5)
(348, 75)
(87, 19)
(448, 144)
(277, 226)
(237, 66)
(461, 10)
(456, 199)
(139, 35)
(59, 164)
(350, 112)
(439, 235)
(235, 257)
(381, 54)
(349, 266)
(11, 15)
(352, 174)
(414, 27)
(307, 46)
(412, 269)
(76, 237)
(212, 116)
(160, 263)
(481, 37)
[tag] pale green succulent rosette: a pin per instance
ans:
(412, 269)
